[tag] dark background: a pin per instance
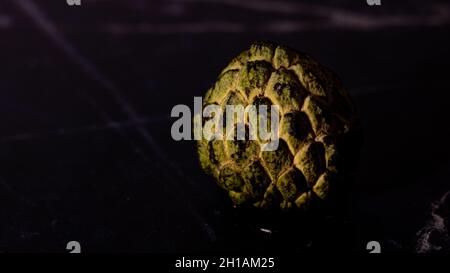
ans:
(85, 100)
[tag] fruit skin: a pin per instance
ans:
(319, 131)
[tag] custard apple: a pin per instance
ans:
(316, 134)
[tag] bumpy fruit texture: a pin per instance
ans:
(316, 119)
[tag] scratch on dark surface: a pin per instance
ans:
(282, 7)
(438, 12)
(330, 17)
(338, 21)
(85, 129)
(169, 168)
(183, 27)
(49, 28)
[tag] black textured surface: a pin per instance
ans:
(85, 100)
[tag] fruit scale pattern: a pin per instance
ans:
(316, 117)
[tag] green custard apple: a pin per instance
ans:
(317, 133)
